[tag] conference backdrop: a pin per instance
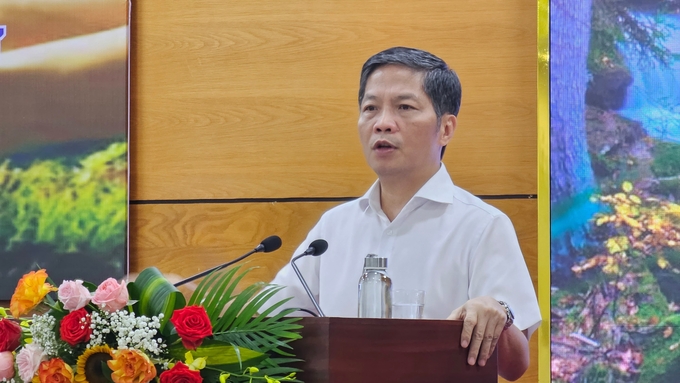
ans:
(244, 118)
(63, 139)
(614, 186)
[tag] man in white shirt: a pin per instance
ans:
(437, 237)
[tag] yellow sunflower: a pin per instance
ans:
(89, 365)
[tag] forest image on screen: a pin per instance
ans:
(615, 190)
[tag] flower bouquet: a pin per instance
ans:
(145, 330)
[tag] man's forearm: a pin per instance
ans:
(513, 354)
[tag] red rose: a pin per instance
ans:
(75, 327)
(192, 324)
(180, 373)
(10, 335)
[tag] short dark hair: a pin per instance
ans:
(440, 83)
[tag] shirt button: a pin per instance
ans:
(389, 232)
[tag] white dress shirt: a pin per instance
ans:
(445, 241)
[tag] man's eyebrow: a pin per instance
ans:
(403, 96)
(407, 96)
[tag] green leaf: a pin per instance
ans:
(215, 285)
(133, 292)
(106, 371)
(156, 295)
(254, 305)
(222, 294)
(236, 306)
(91, 287)
(220, 355)
(233, 315)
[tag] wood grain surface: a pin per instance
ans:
(184, 239)
(258, 99)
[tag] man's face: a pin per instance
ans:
(398, 125)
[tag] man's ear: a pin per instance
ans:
(446, 129)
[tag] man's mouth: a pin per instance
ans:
(383, 145)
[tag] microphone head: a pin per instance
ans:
(317, 247)
(271, 243)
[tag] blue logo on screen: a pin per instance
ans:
(3, 32)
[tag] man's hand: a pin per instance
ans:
(484, 319)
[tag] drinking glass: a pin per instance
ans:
(408, 304)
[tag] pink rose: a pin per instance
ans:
(28, 360)
(6, 365)
(74, 295)
(111, 295)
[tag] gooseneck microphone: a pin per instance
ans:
(267, 245)
(315, 248)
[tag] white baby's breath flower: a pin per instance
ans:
(129, 330)
(42, 329)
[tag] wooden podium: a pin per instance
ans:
(341, 350)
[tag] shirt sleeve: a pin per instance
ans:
(292, 287)
(498, 269)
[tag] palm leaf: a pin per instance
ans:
(237, 324)
(272, 367)
(202, 288)
(264, 316)
(254, 306)
(214, 292)
(277, 362)
(217, 302)
(271, 343)
(232, 312)
(271, 334)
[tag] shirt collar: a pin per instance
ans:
(439, 188)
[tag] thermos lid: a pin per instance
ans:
(372, 261)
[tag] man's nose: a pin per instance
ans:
(386, 122)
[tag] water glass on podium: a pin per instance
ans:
(408, 304)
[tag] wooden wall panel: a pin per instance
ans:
(185, 239)
(524, 216)
(257, 99)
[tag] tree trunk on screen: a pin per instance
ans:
(571, 180)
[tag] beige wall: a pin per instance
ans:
(239, 100)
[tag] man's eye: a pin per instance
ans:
(369, 108)
(405, 107)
